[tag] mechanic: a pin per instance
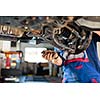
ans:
(93, 57)
(78, 63)
(68, 76)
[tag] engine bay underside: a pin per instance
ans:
(64, 32)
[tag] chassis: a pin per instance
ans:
(71, 33)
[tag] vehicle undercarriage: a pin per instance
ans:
(71, 33)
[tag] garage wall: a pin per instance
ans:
(5, 45)
(24, 45)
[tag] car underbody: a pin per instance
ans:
(64, 32)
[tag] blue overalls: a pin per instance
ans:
(68, 75)
(92, 52)
(84, 70)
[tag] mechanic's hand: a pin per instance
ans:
(52, 56)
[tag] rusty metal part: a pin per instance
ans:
(11, 31)
(63, 36)
(62, 32)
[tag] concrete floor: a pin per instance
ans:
(39, 79)
(31, 79)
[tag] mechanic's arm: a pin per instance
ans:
(52, 56)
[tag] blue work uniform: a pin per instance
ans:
(77, 68)
(92, 52)
(84, 70)
(68, 75)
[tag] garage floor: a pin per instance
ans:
(44, 79)
(31, 79)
